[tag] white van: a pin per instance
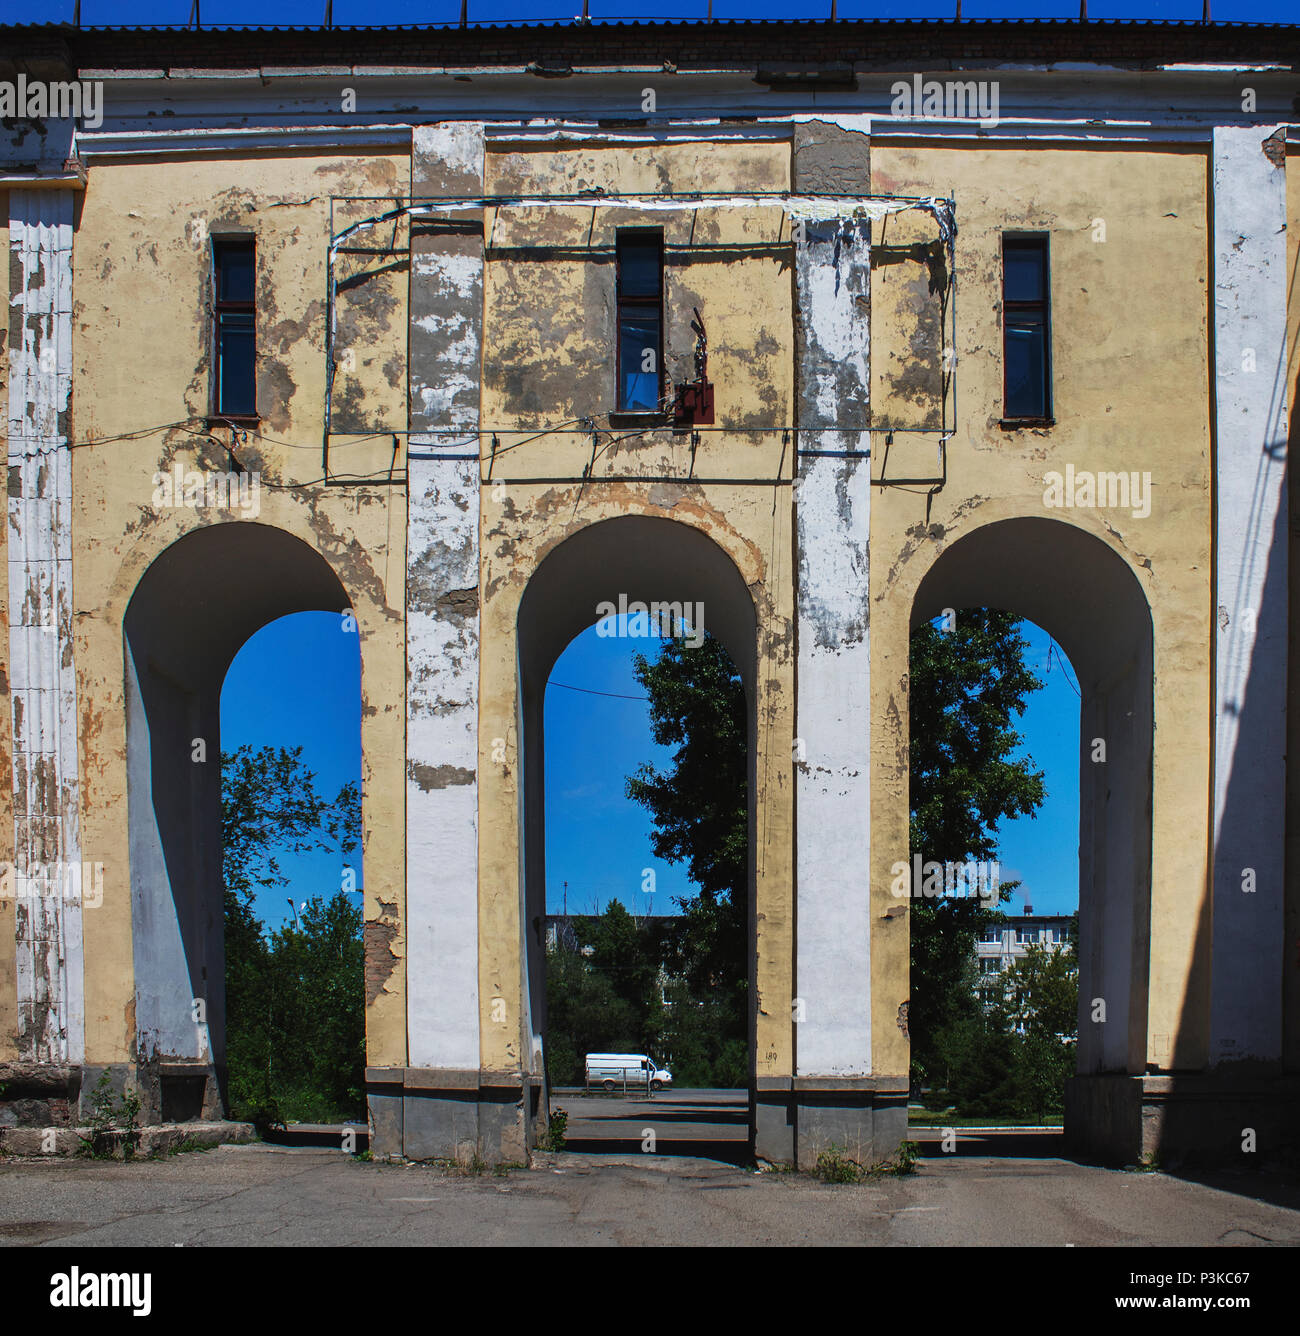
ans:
(613, 1070)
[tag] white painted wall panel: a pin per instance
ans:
(47, 845)
(1250, 287)
(832, 788)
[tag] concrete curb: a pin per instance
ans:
(156, 1139)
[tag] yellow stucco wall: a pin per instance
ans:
(140, 320)
(1131, 375)
(1129, 393)
(548, 356)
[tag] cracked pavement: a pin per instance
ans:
(269, 1196)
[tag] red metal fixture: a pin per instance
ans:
(693, 404)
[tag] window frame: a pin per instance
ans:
(220, 243)
(624, 302)
(1042, 242)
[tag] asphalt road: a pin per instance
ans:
(709, 1123)
(261, 1196)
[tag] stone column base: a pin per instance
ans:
(179, 1090)
(172, 1090)
(797, 1118)
(1224, 1117)
(39, 1094)
(446, 1113)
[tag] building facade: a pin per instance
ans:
(822, 330)
(1002, 944)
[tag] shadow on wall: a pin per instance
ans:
(191, 612)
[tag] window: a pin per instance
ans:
(233, 274)
(993, 934)
(1027, 934)
(1026, 329)
(640, 257)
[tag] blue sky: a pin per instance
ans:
(1043, 851)
(297, 682)
(283, 12)
(595, 838)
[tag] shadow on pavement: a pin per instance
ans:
(326, 1135)
(1013, 1145)
(725, 1152)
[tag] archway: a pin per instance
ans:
(192, 610)
(623, 561)
(1087, 597)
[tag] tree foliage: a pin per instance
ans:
(613, 990)
(1039, 992)
(682, 994)
(968, 684)
(295, 1019)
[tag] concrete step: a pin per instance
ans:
(156, 1139)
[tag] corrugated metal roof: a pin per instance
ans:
(702, 22)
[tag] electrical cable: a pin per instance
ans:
(589, 691)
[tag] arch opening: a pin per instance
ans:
(192, 611)
(1084, 595)
(620, 563)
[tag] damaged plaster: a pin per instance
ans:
(833, 728)
(51, 1008)
(442, 614)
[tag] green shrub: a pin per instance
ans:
(556, 1130)
(834, 1166)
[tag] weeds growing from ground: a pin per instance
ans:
(112, 1122)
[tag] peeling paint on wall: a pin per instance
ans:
(832, 784)
(442, 626)
(51, 1011)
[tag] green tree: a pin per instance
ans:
(968, 684)
(620, 951)
(270, 807)
(318, 1019)
(1040, 992)
(699, 807)
(585, 1012)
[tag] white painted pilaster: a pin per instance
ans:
(1250, 294)
(832, 747)
(47, 841)
(442, 610)
(442, 762)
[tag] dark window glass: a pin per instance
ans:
(234, 270)
(1022, 268)
(639, 269)
(638, 349)
(235, 351)
(640, 322)
(1026, 328)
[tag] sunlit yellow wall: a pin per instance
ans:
(141, 349)
(1131, 378)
